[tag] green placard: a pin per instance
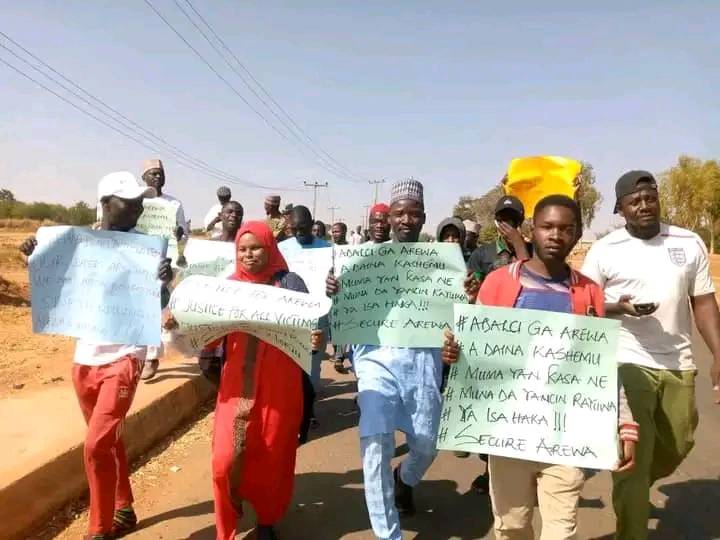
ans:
(396, 294)
(535, 385)
(159, 218)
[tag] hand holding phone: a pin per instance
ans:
(645, 309)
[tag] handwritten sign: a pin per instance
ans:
(96, 285)
(396, 294)
(208, 308)
(209, 258)
(533, 385)
(312, 265)
(159, 218)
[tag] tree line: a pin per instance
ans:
(689, 197)
(78, 214)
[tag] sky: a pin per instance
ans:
(445, 92)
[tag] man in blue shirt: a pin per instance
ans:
(301, 223)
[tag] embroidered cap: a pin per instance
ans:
(273, 200)
(410, 189)
(151, 164)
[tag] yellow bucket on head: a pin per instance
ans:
(531, 179)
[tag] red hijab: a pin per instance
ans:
(276, 262)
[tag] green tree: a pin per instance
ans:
(81, 214)
(587, 195)
(7, 201)
(482, 211)
(690, 196)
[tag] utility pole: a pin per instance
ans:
(376, 183)
(332, 210)
(315, 185)
(365, 218)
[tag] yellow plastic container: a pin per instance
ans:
(530, 179)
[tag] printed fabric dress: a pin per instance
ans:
(258, 415)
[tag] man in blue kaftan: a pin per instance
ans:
(398, 389)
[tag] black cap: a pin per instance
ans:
(508, 202)
(628, 184)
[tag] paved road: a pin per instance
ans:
(329, 503)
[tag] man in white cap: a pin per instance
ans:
(213, 220)
(398, 389)
(153, 174)
(105, 377)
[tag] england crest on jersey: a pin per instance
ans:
(677, 256)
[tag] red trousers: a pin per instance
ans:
(105, 394)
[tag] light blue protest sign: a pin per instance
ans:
(96, 285)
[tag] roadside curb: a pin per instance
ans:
(32, 499)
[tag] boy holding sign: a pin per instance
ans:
(545, 283)
(105, 376)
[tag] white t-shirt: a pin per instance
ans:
(99, 354)
(216, 233)
(668, 270)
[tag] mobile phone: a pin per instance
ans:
(645, 309)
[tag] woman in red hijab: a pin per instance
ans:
(259, 406)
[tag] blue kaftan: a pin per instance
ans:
(398, 389)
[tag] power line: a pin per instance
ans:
(228, 83)
(289, 124)
(376, 183)
(136, 131)
(315, 186)
(261, 87)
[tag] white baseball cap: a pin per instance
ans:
(123, 184)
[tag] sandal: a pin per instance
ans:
(482, 484)
(124, 522)
(339, 366)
